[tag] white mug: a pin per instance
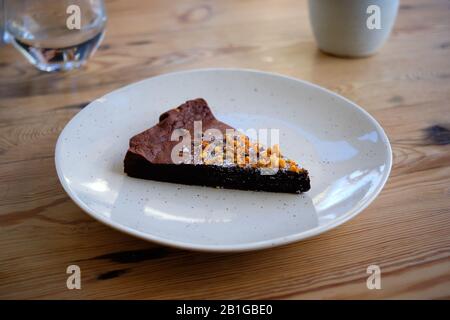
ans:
(352, 28)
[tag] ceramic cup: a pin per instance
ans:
(352, 28)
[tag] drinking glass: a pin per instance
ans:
(55, 35)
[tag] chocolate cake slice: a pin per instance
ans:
(190, 146)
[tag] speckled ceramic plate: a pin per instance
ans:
(345, 150)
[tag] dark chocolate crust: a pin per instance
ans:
(217, 176)
(149, 157)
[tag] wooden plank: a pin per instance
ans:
(405, 231)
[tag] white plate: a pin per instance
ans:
(345, 150)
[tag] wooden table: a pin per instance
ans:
(406, 87)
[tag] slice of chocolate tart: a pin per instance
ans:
(190, 146)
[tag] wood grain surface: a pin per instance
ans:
(406, 87)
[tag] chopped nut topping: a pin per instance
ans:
(238, 150)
